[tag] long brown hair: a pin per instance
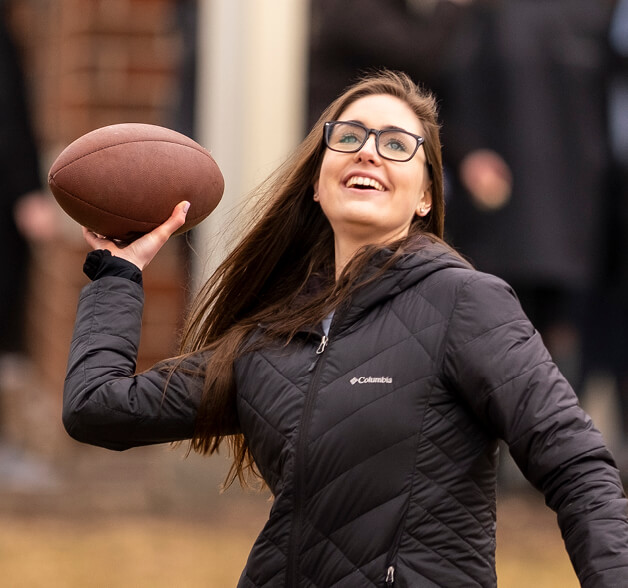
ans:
(267, 277)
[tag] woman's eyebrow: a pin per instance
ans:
(384, 128)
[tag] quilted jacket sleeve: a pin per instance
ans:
(495, 358)
(105, 403)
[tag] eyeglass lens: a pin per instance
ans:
(392, 144)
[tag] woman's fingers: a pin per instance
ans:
(141, 251)
(96, 241)
(174, 222)
(145, 248)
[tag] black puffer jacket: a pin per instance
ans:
(380, 443)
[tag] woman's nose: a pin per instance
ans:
(368, 151)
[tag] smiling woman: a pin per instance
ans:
(359, 366)
(371, 190)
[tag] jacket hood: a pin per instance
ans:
(424, 258)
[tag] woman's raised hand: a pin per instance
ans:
(141, 251)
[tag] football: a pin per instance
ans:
(122, 181)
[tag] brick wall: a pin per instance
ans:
(90, 63)
(98, 62)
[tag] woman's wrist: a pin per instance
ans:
(100, 263)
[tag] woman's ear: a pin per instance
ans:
(315, 191)
(425, 202)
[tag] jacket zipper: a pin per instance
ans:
(299, 460)
(392, 554)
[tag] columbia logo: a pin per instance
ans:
(370, 380)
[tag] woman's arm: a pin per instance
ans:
(497, 361)
(105, 403)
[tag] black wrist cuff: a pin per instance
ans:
(100, 263)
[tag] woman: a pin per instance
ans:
(377, 434)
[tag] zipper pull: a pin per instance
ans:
(390, 576)
(323, 344)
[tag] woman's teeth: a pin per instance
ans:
(364, 183)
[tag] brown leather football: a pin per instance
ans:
(123, 180)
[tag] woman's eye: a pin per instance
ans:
(395, 145)
(348, 138)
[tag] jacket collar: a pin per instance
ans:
(424, 258)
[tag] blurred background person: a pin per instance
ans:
(606, 340)
(525, 137)
(26, 213)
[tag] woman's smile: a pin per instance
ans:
(367, 198)
(363, 183)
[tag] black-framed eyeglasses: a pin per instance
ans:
(350, 137)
